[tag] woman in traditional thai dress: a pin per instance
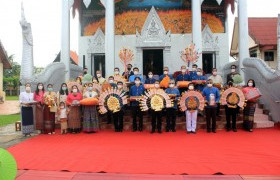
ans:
(62, 93)
(27, 118)
(50, 107)
(249, 110)
(39, 111)
(74, 117)
(90, 117)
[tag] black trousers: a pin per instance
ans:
(136, 111)
(156, 120)
(118, 120)
(231, 115)
(109, 117)
(170, 119)
(218, 109)
(211, 118)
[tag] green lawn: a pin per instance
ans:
(10, 98)
(9, 119)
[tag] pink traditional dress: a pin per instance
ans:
(74, 117)
(39, 112)
(249, 110)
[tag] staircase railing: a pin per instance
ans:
(267, 80)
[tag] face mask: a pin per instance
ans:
(61, 107)
(28, 89)
(214, 73)
(40, 87)
(50, 89)
(137, 82)
(191, 87)
(183, 70)
(98, 75)
(198, 73)
(156, 85)
(111, 81)
(171, 85)
(90, 88)
(129, 68)
(250, 84)
(75, 90)
(117, 72)
(209, 85)
(120, 86)
(232, 70)
(194, 69)
(165, 72)
(135, 72)
(150, 76)
(64, 88)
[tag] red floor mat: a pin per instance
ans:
(244, 153)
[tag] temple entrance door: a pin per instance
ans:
(98, 63)
(208, 62)
(153, 61)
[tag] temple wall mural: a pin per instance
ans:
(131, 14)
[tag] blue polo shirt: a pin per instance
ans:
(150, 81)
(213, 90)
(136, 91)
(192, 74)
(132, 78)
(183, 77)
(199, 87)
(174, 91)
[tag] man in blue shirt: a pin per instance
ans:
(171, 112)
(136, 90)
(184, 76)
(199, 76)
(135, 74)
(193, 71)
(150, 79)
(212, 95)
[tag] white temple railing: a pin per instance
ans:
(267, 80)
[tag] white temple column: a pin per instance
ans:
(278, 43)
(196, 28)
(243, 34)
(110, 37)
(65, 37)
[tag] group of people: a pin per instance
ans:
(42, 109)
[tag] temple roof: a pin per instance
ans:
(263, 30)
(73, 57)
(4, 58)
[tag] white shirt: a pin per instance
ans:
(216, 79)
(63, 113)
(88, 94)
(25, 97)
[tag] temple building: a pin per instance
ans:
(156, 32)
(262, 39)
(4, 64)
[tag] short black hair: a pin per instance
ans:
(157, 81)
(194, 65)
(120, 82)
(137, 78)
(117, 68)
(233, 66)
(111, 77)
(254, 84)
(135, 68)
(191, 84)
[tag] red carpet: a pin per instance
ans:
(243, 153)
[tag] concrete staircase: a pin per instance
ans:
(262, 120)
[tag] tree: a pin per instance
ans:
(11, 76)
